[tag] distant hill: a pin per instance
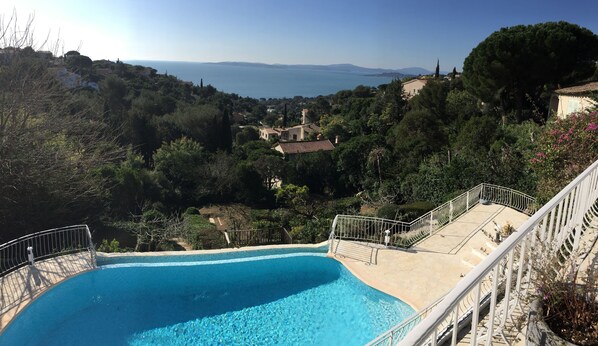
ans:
(414, 71)
(345, 68)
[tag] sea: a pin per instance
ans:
(264, 81)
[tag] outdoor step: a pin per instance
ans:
(475, 257)
(480, 253)
(491, 246)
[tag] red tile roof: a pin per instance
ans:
(304, 147)
(579, 89)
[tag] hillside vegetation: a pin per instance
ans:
(129, 151)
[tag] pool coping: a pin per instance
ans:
(211, 251)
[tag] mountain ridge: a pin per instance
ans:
(343, 67)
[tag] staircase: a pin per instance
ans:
(476, 256)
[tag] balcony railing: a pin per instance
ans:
(57, 253)
(494, 289)
(405, 234)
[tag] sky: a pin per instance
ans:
(370, 33)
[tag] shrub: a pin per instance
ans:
(405, 212)
(388, 211)
(201, 234)
(565, 149)
(192, 211)
(568, 296)
(112, 246)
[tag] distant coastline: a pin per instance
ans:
(260, 80)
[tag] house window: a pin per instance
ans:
(294, 137)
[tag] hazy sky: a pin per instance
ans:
(371, 33)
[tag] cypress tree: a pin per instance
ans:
(437, 74)
(226, 138)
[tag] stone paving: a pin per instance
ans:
(422, 274)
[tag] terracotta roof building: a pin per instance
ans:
(573, 99)
(297, 148)
(413, 87)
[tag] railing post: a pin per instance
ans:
(467, 201)
(30, 257)
(431, 222)
(451, 211)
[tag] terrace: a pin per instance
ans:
(482, 287)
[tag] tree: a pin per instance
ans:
(297, 199)
(351, 159)
(152, 229)
(432, 98)
(179, 166)
(388, 108)
(247, 134)
(437, 73)
(515, 67)
(415, 137)
(202, 123)
(80, 64)
(226, 137)
(316, 170)
(51, 148)
(477, 135)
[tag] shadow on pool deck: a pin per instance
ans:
(19, 287)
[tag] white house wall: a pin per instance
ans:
(572, 104)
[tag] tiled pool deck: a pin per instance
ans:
(421, 275)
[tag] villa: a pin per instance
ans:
(291, 149)
(413, 87)
(573, 99)
(302, 132)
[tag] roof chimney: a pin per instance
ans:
(304, 118)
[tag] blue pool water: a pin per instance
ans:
(279, 299)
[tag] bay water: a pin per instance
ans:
(264, 81)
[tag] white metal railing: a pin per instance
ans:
(510, 198)
(496, 286)
(34, 262)
(405, 234)
(45, 244)
(399, 331)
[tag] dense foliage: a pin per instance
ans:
(129, 150)
(565, 149)
(517, 68)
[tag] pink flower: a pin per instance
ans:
(592, 127)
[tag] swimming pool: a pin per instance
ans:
(276, 298)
